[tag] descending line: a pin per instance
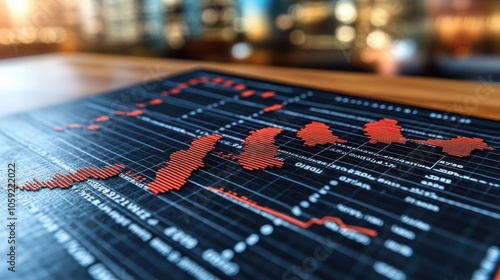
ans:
(304, 225)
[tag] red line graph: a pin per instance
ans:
(93, 127)
(268, 94)
(240, 87)
(385, 131)
(259, 151)
(173, 91)
(459, 146)
(247, 93)
(101, 119)
(318, 133)
(66, 181)
(272, 108)
(228, 83)
(292, 220)
(74, 126)
(152, 102)
(227, 156)
(182, 164)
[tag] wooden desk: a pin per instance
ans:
(36, 81)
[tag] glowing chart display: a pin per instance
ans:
(208, 175)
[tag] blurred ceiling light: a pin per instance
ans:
(176, 42)
(18, 8)
(495, 23)
(345, 33)
(172, 2)
(93, 26)
(255, 20)
(241, 50)
(345, 11)
(47, 35)
(284, 22)
(7, 36)
(175, 36)
(298, 37)
(311, 12)
(210, 16)
(26, 35)
(379, 17)
(378, 40)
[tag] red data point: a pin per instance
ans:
(272, 108)
(317, 133)
(228, 83)
(459, 146)
(240, 87)
(268, 94)
(102, 119)
(218, 80)
(193, 82)
(385, 131)
(175, 91)
(135, 113)
(259, 151)
(93, 127)
(74, 126)
(182, 164)
(247, 93)
(66, 181)
(156, 101)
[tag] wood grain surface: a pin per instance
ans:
(38, 81)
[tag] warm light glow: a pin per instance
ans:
(345, 11)
(378, 39)
(26, 35)
(175, 36)
(47, 35)
(311, 12)
(379, 17)
(210, 16)
(345, 33)
(18, 8)
(255, 22)
(284, 22)
(494, 23)
(7, 36)
(459, 33)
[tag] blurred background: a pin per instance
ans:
(457, 39)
